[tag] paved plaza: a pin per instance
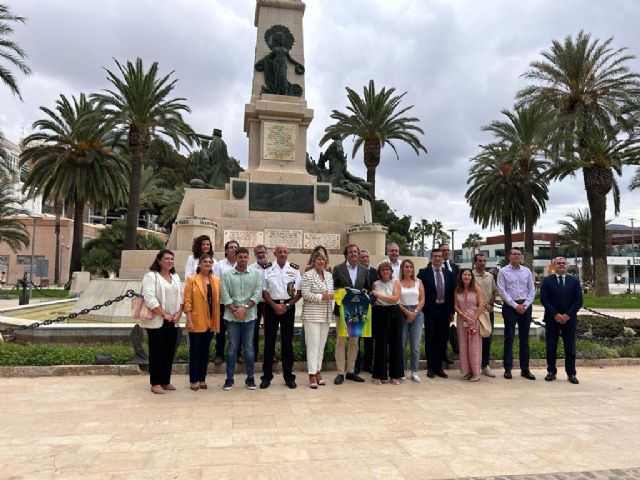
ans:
(111, 427)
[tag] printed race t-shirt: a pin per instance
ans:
(355, 312)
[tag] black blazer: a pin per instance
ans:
(341, 279)
(455, 270)
(373, 275)
(429, 282)
(555, 299)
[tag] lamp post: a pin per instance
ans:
(33, 248)
(453, 243)
(633, 256)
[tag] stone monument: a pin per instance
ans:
(276, 200)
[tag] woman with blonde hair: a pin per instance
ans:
(317, 313)
(411, 303)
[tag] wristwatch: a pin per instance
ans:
(246, 307)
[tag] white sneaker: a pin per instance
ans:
(415, 377)
(487, 371)
(403, 378)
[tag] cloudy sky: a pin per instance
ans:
(459, 61)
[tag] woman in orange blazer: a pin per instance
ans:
(201, 300)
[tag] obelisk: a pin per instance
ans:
(276, 118)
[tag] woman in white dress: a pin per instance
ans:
(201, 245)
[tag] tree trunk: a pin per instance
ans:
(137, 149)
(529, 220)
(508, 237)
(75, 265)
(57, 205)
(587, 268)
(371, 161)
(598, 182)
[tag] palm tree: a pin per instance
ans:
(11, 51)
(635, 181)
(73, 157)
(473, 241)
(588, 85)
(437, 233)
(140, 105)
(374, 122)
(578, 230)
(494, 195)
(170, 201)
(525, 134)
(420, 232)
(12, 231)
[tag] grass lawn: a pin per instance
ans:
(53, 293)
(622, 301)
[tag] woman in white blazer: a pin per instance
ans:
(162, 292)
(317, 312)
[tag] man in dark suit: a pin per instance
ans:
(352, 275)
(438, 311)
(454, 268)
(366, 359)
(561, 297)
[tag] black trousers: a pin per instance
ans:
(199, 343)
(453, 339)
(256, 331)
(271, 324)
(436, 334)
(221, 335)
(553, 331)
(387, 340)
(486, 344)
(162, 348)
(511, 319)
(364, 359)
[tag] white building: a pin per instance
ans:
(33, 206)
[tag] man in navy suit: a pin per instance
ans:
(454, 268)
(439, 286)
(561, 296)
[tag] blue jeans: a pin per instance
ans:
(240, 332)
(412, 330)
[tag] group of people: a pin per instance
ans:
(228, 299)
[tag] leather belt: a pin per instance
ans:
(519, 302)
(281, 301)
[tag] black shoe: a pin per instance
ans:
(441, 374)
(507, 374)
(527, 374)
(431, 374)
(550, 377)
(291, 383)
(264, 383)
(355, 377)
(339, 380)
(573, 379)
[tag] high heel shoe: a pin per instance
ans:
(157, 389)
(313, 383)
(320, 380)
(195, 387)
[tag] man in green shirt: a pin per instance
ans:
(241, 292)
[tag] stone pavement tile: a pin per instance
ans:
(277, 453)
(423, 468)
(191, 456)
(184, 474)
(426, 447)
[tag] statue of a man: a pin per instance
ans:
(212, 163)
(274, 65)
(339, 176)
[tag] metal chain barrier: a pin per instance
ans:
(605, 315)
(84, 311)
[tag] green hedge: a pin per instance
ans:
(603, 327)
(13, 354)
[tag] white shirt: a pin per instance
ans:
(276, 279)
(257, 266)
(223, 266)
(353, 272)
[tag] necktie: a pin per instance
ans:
(446, 265)
(439, 286)
(561, 281)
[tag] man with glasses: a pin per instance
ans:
(516, 287)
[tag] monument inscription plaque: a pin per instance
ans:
(279, 141)
(290, 238)
(246, 238)
(331, 241)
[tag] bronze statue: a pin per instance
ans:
(336, 173)
(274, 65)
(212, 163)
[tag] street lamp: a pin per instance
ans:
(633, 256)
(33, 248)
(453, 243)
